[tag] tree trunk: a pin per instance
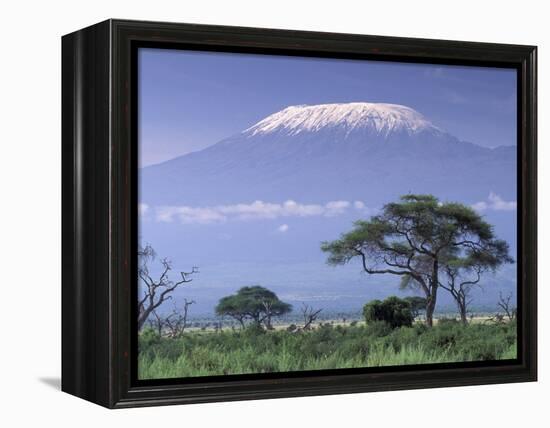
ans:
(430, 307)
(432, 297)
(463, 315)
(143, 317)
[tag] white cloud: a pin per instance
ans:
(480, 206)
(142, 209)
(283, 228)
(495, 203)
(336, 208)
(189, 215)
(260, 209)
(359, 205)
(253, 211)
(363, 209)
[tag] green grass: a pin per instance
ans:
(326, 347)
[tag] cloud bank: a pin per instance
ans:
(254, 211)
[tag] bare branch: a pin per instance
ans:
(504, 303)
(310, 315)
(158, 291)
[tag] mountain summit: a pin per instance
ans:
(376, 119)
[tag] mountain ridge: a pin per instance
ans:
(341, 121)
(324, 152)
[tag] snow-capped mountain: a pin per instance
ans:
(366, 151)
(375, 120)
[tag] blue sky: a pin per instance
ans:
(190, 100)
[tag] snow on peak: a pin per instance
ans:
(377, 118)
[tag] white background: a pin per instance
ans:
(30, 171)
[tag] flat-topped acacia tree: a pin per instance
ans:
(414, 239)
(256, 303)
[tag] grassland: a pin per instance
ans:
(254, 350)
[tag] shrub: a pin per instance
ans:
(377, 329)
(393, 310)
(254, 329)
(148, 338)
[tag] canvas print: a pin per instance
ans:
(304, 214)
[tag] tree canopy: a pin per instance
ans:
(256, 303)
(415, 238)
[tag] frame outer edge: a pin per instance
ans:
(112, 386)
(85, 228)
(70, 379)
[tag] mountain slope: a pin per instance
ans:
(333, 151)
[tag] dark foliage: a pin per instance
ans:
(394, 311)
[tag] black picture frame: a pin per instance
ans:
(99, 162)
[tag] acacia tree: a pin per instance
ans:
(155, 291)
(256, 303)
(462, 274)
(460, 279)
(230, 306)
(412, 239)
